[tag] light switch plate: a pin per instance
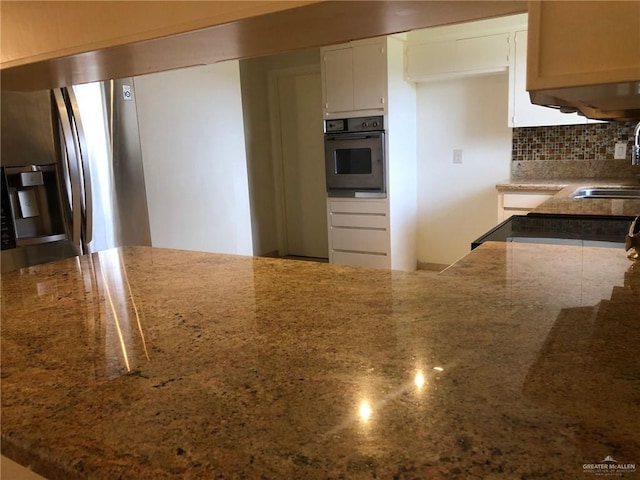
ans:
(620, 151)
(457, 155)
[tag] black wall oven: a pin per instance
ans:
(354, 151)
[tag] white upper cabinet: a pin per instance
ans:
(369, 76)
(522, 113)
(338, 80)
(354, 78)
(482, 47)
(458, 57)
(465, 49)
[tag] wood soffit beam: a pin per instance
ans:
(314, 25)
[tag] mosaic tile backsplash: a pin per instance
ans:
(572, 151)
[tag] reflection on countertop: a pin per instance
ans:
(518, 361)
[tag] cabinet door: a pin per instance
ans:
(361, 259)
(524, 113)
(583, 43)
(338, 80)
(430, 59)
(486, 53)
(369, 76)
(518, 203)
(460, 57)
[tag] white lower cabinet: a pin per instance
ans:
(358, 239)
(519, 203)
(359, 232)
(361, 259)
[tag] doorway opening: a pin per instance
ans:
(295, 103)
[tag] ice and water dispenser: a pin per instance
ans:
(36, 223)
(31, 206)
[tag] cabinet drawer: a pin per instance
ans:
(358, 220)
(361, 259)
(359, 240)
(509, 212)
(523, 200)
(358, 206)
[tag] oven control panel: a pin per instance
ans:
(359, 124)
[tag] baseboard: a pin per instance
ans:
(432, 267)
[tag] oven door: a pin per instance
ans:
(354, 164)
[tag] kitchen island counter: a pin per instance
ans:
(520, 361)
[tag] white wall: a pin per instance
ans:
(401, 142)
(192, 139)
(255, 104)
(458, 202)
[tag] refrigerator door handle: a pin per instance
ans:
(83, 160)
(73, 173)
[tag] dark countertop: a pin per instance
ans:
(520, 361)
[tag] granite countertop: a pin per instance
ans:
(555, 185)
(520, 361)
(562, 203)
(525, 185)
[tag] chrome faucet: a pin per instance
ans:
(635, 155)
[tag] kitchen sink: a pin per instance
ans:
(607, 192)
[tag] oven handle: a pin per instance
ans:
(352, 136)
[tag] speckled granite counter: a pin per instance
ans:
(562, 203)
(520, 361)
(541, 185)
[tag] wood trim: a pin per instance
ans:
(313, 25)
(533, 46)
(52, 28)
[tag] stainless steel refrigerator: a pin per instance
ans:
(72, 173)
